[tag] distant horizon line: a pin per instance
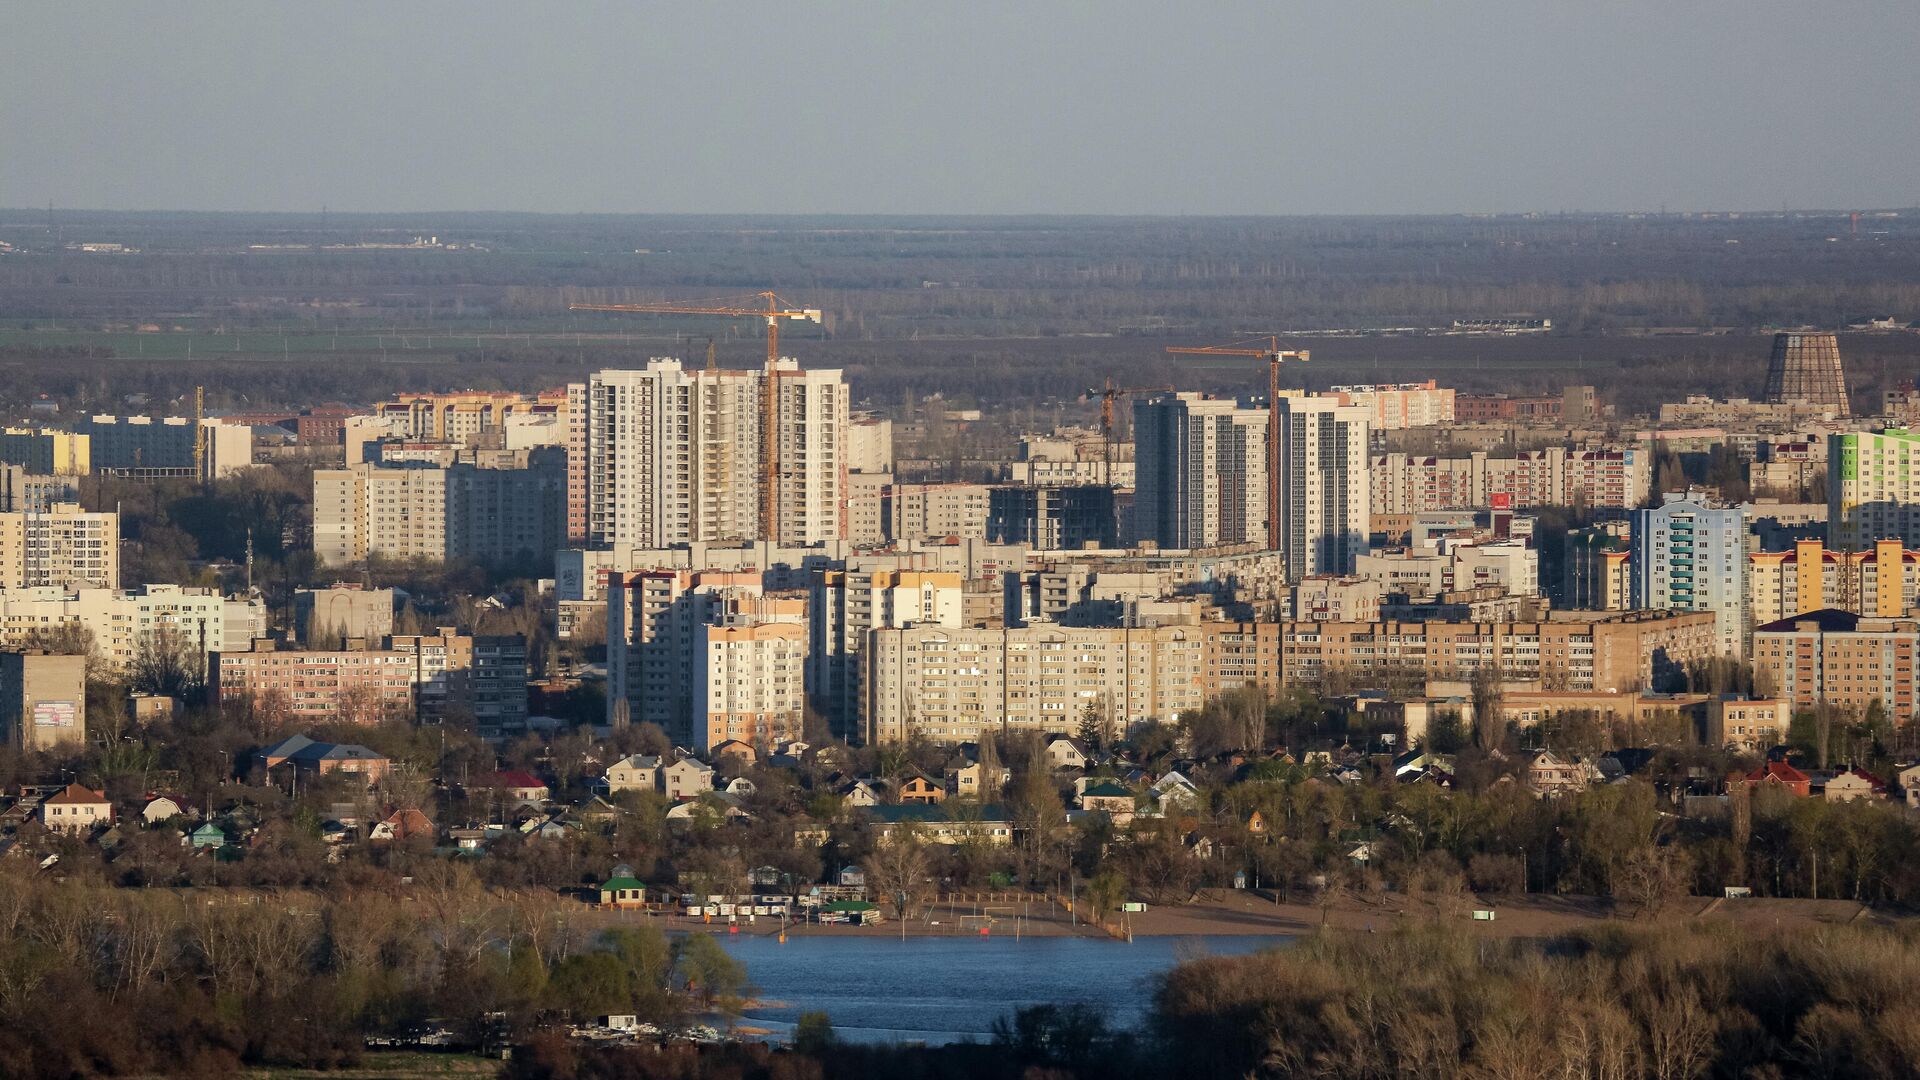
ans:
(1663, 212)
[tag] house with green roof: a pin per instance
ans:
(622, 891)
(208, 835)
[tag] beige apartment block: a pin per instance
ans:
(43, 700)
(65, 547)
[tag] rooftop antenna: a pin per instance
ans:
(249, 559)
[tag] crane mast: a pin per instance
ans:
(1274, 355)
(773, 312)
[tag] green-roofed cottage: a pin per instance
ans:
(623, 891)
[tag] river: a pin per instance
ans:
(942, 990)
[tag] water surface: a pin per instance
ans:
(941, 990)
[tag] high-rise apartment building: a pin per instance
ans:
(1200, 465)
(46, 451)
(1873, 488)
(1320, 455)
(164, 446)
(655, 658)
(750, 680)
(1052, 518)
(847, 605)
(489, 505)
(676, 456)
(1881, 582)
(29, 492)
(65, 547)
(1690, 556)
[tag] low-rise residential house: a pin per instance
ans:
(970, 781)
(519, 785)
(1257, 823)
(208, 835)
(743, 752)
(920, 789)
(1109, 798)
(321, 758)
(76, 810)
(1066, 752)
(1778, 775)
(740, 786)
(718, 806)
(636, 772)
(161, 808)
(402, 825)
(936, 825)
(864, 791)
(1550, 776)
(1853, 784)
(1174, 790)
(623, 891)
(685, 778)
(1909, 780)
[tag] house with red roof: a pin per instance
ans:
(519, 784)
(1777, 774)
(76, 810)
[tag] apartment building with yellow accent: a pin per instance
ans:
(1883, 581)
(47, 451)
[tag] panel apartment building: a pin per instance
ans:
(1873, 488)
(954, 685)
(488, 505)
(1618, 478)
(443, 675)
(122, 623)
(847, 606)
(66, 548)
(1398, 406)
(1881, 582)
(673, 456)
(1841, 659)
(1200, 465)
(1320, 453)
(658, 651)
(1690, 556)
(1573, 650)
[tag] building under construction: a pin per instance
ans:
(1806, 368)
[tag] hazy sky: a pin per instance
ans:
(1098, 106)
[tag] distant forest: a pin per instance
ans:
(985, 310)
